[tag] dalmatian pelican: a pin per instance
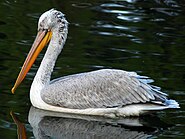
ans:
(105, 92)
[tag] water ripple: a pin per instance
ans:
(111, 5)
(81, 5)
(126, 50)
(129, 18)
(166, 11)
(112, 26)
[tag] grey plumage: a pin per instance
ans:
(101, 89)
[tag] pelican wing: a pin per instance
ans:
(100, 89)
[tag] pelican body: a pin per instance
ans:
(106, 92)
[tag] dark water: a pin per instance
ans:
(143, 36)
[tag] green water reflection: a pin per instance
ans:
(142, 36)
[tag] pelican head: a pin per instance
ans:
(50, 23)
(51, 20)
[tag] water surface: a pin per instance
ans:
(142, 36)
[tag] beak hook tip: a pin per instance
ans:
(13, 90)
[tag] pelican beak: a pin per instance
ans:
(42, 38)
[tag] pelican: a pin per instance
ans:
(105, 92)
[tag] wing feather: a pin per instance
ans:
(99, 89)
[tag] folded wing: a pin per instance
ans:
(102, 89)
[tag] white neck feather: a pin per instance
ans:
(43, 76)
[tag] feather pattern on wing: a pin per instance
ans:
(101, 89)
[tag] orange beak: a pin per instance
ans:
(43, 37)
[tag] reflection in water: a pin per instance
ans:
(47, 124)
(21, 131)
